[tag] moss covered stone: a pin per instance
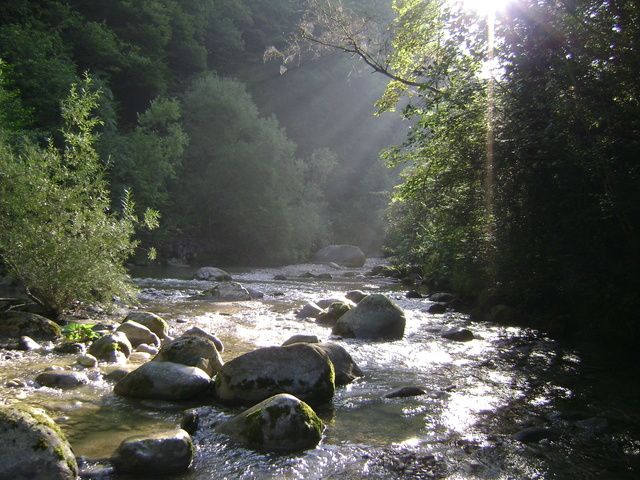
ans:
(282, 423)
(375, 317)
(33, 446)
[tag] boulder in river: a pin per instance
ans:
(16, 324)
(281, 423)
(300, 338)
(333, 313)
(104, 347)
(346, 370)
(345, 255)
(138, 333)
(376, 318)
(356, 296)
(193, 351)
(298, 369)
(310, 310)
(458, 334)
(164, 381)
(226, 292)
(212, 274)
(63, 379)
(162, 453)
(33, 447)
(436, 308)
(442, 297)
(200, 332)
(150, 320)
(403, 392)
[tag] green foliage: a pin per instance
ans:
(79, 332)
(56, 232)
(242, 187)
(147, 160)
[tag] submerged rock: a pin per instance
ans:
(345, 255)
(164, 381)
(281, 423)
(62, 379)
(16, 324)
(458, 334)
(442, 297)
(194, 351)
(33, 447)
(150, 320)
(346, 369)
(403, 392)
(226, 292)
(376, 317)
(138, 333)
(161, 453)
(534, 434)
(298, 369)
(437, 308)
(212, 273)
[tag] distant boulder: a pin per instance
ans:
(226, 292)
(376, 318)
(458, 334)
(345, 255)
(212, 273)
(281, 423)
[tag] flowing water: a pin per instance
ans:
(479, 393)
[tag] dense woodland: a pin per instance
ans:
(519, 187)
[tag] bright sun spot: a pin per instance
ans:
(485, 7)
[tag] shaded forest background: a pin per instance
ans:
(245, 166)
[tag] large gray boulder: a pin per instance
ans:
(212, 273)
(138, 334)
(33, 447)
(150, 320)
(281, 423)
(346, 369)
(19, 324)
(298, 369)
(162, 453)
(226, 292)
(165, 381)
(104, 347)
(194, 351)
(375, 317)
(346, 255)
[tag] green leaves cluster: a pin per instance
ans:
(57, 234)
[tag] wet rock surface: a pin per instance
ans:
(163, 453)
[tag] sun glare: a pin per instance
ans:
(485, 7)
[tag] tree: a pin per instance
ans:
(57, 234)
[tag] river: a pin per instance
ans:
(479, 393)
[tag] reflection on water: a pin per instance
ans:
(478, 393)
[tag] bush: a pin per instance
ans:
(57, 234)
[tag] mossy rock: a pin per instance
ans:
(333, 313)
(19, 324)
(33, 447)
(194, 351)
(150, 320)
(281, 423)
